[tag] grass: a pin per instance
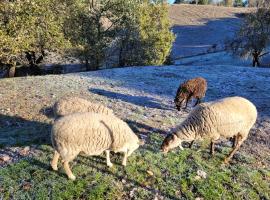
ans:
(174, 177)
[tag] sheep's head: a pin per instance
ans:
(132, 146)
(181, 98)
(170, 142)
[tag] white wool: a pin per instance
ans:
(91, 133)
(222, 118)
(69, 105)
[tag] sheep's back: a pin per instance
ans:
(200, 87)
(226, 117)
(91, 132)
(71, 105)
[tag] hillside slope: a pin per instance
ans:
(142, 96)
(200, 27)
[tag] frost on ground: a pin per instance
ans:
(204, 27)
(142, 96)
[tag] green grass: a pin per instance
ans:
(174, 177)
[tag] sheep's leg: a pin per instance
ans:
(68, 170)
(55, 160)
(108, 158)
(192, 142)
(197, 102)
(187, 100)
(124, 162)
(235, 141)
(212, 150)
(239, 140)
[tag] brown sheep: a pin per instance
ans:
(193, 88)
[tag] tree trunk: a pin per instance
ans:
(11, 71)
(256, 61)
(121, 61)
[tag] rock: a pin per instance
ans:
(25, 151)
(26, 186)
(150, 173)
(201, 173)
(198, 198)
(5, 158)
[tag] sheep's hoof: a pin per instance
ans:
(72, 177)
(124, 164)
(54, 167)
(226, 161)
(109, 164)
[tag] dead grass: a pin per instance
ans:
(184, 14)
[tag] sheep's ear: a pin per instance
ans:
(141, 142)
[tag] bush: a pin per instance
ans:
(147, 39)
(28, 28)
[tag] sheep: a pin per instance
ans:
(228, 117)
(90, 134)
(193, 88)
(69, 105)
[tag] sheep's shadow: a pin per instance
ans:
(145, 129)
(136, 100)
(95, 162)
(17, 131)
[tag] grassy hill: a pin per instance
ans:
(142, 96)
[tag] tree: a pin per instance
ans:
(253, 37)
(229, 2)
(27, 29)
(147, 38)
(137, 32)
(92, 27)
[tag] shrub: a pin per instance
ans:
(28, 28)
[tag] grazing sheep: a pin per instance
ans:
(228, 117)
(195, 88)
(69, 105)
(91, 134)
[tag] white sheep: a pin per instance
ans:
(228, 117)
(91, 134)
(69, 105)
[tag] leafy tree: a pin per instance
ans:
(93, 26)
(147, 39)
(156, 37)
(137, 32)
(28, 28)
(229, 2)
(238, 3)
(253, 36)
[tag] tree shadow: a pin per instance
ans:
(136, 100)
(16, 131)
